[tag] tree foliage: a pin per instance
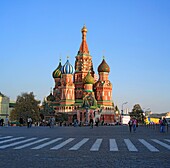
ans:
(46, 110)
(26, 106)
(137, 113)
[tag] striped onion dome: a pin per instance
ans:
(103, 67)
(88, 79)
(67, 68)
(57, 71)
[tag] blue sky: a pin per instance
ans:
(133, 35)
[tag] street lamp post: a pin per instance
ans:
(146, 111)
(122, 106)
(122, 110)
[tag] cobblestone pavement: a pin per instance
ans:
(104, 146)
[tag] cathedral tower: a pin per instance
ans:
(103, 86)
(83, 65)
(67, 85)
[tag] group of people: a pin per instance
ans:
(51, 122)
(133, 123)
(92, 122)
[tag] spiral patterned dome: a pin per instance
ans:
(57, 71)
(103, 67)
(88, 79)
(67, 68)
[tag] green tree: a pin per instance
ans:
(46, 109)
(26, 106)
(137, 113)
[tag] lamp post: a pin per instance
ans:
(122, 106)
(122, 111)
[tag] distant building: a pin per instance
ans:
(168, 115)
(155, 117)
(4, 106)
(79, 92)
(11, 106)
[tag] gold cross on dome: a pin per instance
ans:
(104, 54)
(60, 57)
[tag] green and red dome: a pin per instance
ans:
(103, 67)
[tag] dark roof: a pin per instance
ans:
(2, 94)
(12, 105)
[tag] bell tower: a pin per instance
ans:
(83, 65)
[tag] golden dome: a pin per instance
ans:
(84, 29)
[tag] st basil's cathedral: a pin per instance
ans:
(77, 91)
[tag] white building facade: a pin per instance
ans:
(4, 106)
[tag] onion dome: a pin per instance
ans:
(50, 97)
(67, 68)
(57, 71)
(103, 67)
(88, 79)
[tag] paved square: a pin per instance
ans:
(104, 146)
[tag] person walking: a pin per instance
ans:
(130, 123)
(97, 122)
(2, 122)
(21, 121)
(91, 122)
(50, 122)
(161, 124)
(134, 124)
(28, 122)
